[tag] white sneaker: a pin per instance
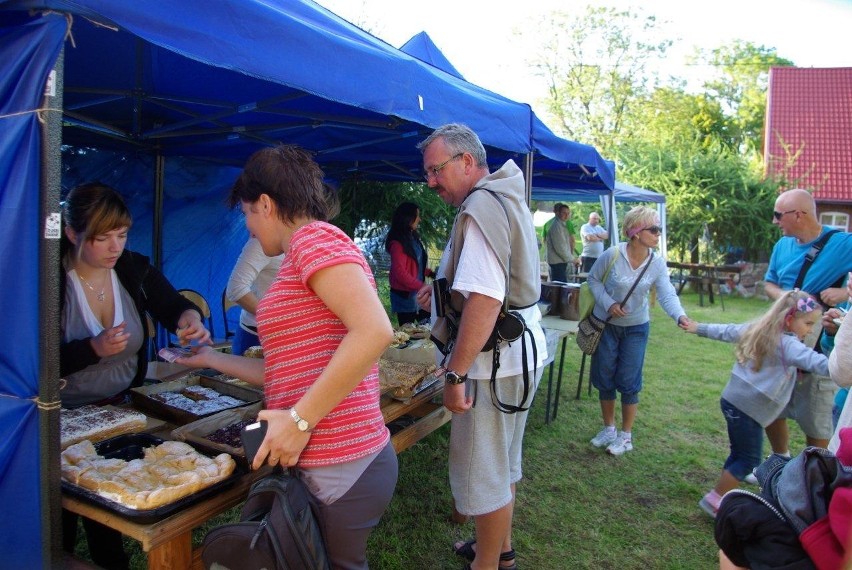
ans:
(708, 508)
(620, 446)
(604, 437)
(751, 479)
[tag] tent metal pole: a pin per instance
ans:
(157, 233)
(49, 371)
(528, 174)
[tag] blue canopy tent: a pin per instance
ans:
(171, 98)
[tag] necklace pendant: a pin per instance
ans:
(101, 296)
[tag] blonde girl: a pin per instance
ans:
(769, 353)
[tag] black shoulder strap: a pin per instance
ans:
(812, 254)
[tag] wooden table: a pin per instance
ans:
(564, 329)
(705, 275)
(168, 542)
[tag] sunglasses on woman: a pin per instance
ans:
(656, 230)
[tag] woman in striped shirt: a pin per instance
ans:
(322, 328)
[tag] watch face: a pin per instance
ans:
(302, 425)
(453, 378)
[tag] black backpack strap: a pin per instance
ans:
(811, 256)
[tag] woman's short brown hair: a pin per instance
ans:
(291, 178)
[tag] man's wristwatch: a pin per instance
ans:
(301, 423)
(452, 377)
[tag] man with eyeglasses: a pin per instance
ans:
(491, 256)
(795, 214)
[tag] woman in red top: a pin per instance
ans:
(408, 263)
(322, 328)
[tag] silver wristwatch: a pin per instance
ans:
(301, 423)
(452, 377)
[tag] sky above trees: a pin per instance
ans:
(482, 41)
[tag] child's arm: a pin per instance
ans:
(691, 326)
(803, 357)
(725, 333)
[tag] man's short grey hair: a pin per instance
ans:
(458, 138)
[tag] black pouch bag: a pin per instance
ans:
(277, 531)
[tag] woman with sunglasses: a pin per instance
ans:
(617, 364)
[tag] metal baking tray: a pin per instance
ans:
(132, 446)
(194, 433)
(142, 397)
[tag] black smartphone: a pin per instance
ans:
(252, 436)
(440, 295)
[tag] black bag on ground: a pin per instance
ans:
(277, 531)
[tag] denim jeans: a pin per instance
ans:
(746, 437)
(243, 340)
(617, 364)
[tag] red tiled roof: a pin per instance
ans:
(810, 111)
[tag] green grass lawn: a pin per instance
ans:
(578, 507)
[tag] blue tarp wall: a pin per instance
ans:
(28, 50)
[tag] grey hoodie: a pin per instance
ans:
(764, 394)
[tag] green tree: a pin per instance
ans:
(366, 209)
(740, 82)
(597, 66)
(669, 116)
(714, 188)
(700, 150)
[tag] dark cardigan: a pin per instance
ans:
(151, 293)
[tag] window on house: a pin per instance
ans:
(837, 220)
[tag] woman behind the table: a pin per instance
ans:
(105, 292)
(408, 267)
(617, 364)
(322, 328)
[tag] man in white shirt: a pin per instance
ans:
(593, 235)
(489, 402)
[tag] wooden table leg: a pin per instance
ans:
(173, 555)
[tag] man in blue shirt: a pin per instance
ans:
(795, 215)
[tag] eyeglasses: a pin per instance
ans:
(435, 170)
(656, 230)
(779, 215)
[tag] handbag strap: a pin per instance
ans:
(611, 263)
(635, 283)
